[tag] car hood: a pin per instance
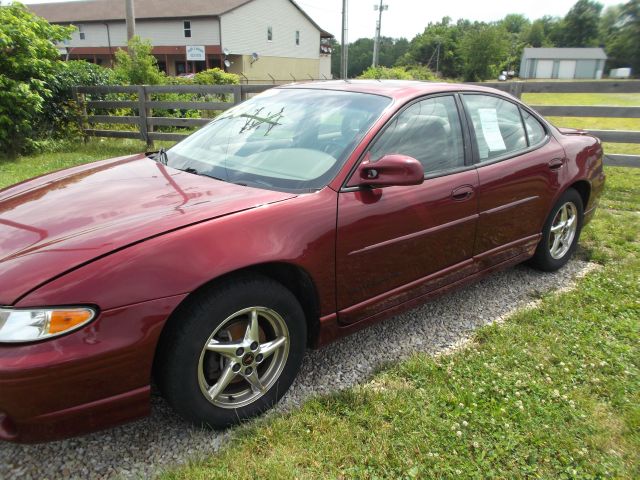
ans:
(57, 222)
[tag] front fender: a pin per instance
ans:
(300, 231)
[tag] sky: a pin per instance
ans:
(406, 18)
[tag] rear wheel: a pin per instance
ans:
(231, 353)
(560, 233)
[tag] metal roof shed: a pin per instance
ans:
(563, 63)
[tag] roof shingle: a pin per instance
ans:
(101, 10)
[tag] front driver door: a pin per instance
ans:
(397, 243)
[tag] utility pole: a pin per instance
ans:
(131, 19)
(376, 42)
(344, 50)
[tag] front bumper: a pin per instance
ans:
(91, 379)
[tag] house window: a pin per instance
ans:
(297, 37)
(269, 34)
(81, 32)
(187, 28)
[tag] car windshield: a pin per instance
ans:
(282, 139)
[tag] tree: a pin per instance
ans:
(28, 62)
(620, 32)
(438, 48)
(137, 66)
(361, 54)
(484, 50)
(515, 23)
(536, 37)
(580, 25)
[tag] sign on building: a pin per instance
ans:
(195, 53)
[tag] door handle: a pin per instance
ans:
(556, 163)
(462, 193)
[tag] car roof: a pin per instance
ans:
(397, 89)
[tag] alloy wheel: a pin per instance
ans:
(243, 357)
(563, 230)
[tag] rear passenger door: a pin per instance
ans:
(518, 163)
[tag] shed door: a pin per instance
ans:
(545, 68)
(567, 69)
(586, 69)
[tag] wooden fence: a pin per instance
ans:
(145, 123)
(144, 104)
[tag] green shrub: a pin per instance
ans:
(215, 76)
(60, 111)
(137, 66)
(409, 72)
(378, 73)
(419, 72)
(29, 61)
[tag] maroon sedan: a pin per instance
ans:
(297, 217)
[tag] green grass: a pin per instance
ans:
(594, 123)
(612, 99)
(554, 392)
(21, 168)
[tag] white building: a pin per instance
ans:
(562, 63)
(286, 40)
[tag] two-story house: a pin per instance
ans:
(258, 39)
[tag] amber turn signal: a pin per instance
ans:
(63, 320)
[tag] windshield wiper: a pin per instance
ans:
(160, 156)
(196, 172)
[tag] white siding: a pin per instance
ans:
(325, 67)
(204, 31)
(244, 30)
(567, 69)
(544, 69)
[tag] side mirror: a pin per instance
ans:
(390, 170)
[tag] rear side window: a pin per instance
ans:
(497, 125)
(535, 131)
(429, 131)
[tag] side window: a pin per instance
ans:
(187, 28)
(428, 131)
(269, 34)
(497, 125)
(535, 131)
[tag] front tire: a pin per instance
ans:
(230, 353)
(560, 233)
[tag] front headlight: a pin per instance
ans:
(29, 324)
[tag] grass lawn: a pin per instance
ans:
(21, 168)
(554, 392)
(14, 170)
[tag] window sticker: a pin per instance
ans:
(491, 129)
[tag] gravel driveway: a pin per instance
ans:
(161, 440)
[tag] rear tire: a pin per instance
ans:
(230, 353)
(560, 233)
